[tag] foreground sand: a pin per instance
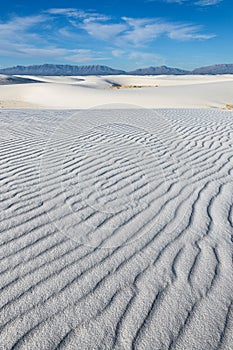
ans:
(116, 229)
(86, 92)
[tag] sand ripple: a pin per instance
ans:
(116, 229)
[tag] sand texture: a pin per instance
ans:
(116, 229)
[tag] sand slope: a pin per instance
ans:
(116, 229)
(87, 92)
(12, 80)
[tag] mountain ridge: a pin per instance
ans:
(72, 70)
(60, 69)
(159, 71)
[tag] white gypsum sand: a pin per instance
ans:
(89, 91)
(116, 229)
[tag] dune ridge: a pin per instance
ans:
(116, 229)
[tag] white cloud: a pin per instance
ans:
(18, 25)
(75, 13)
(138, 58)
(18, 38)
(69, 12)
(142, 31)
(43, 52)
(131, 31)
(41, 36)
(190, 2)
(83, 56)
(95, 24)
(49, 52)
(103, 31)
(144, 56)
(170, 1)
(207, 2)
(18, 33)
(118, 53)
(188, 32)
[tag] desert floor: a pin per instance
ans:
(116, 226)
(35, 92)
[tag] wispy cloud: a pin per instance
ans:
(140, 58)
(75, 35)
(85, 56)
(142, 31)
(18, 25)
(19, 33)
(77, 13)
(136, 55)
(146, 58)
(19, 37)
(202, 3)
(70, 12)
(103, 31)
(208, 2)
(133, 31)
(188, 32)
(49, 52)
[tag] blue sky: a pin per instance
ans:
(125, 34)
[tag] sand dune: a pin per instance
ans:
(116, 228)
(12, 80)
(87, 92)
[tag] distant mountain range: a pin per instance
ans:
(55, 69)
(215, 69)
(163, 70)
(60, 69)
